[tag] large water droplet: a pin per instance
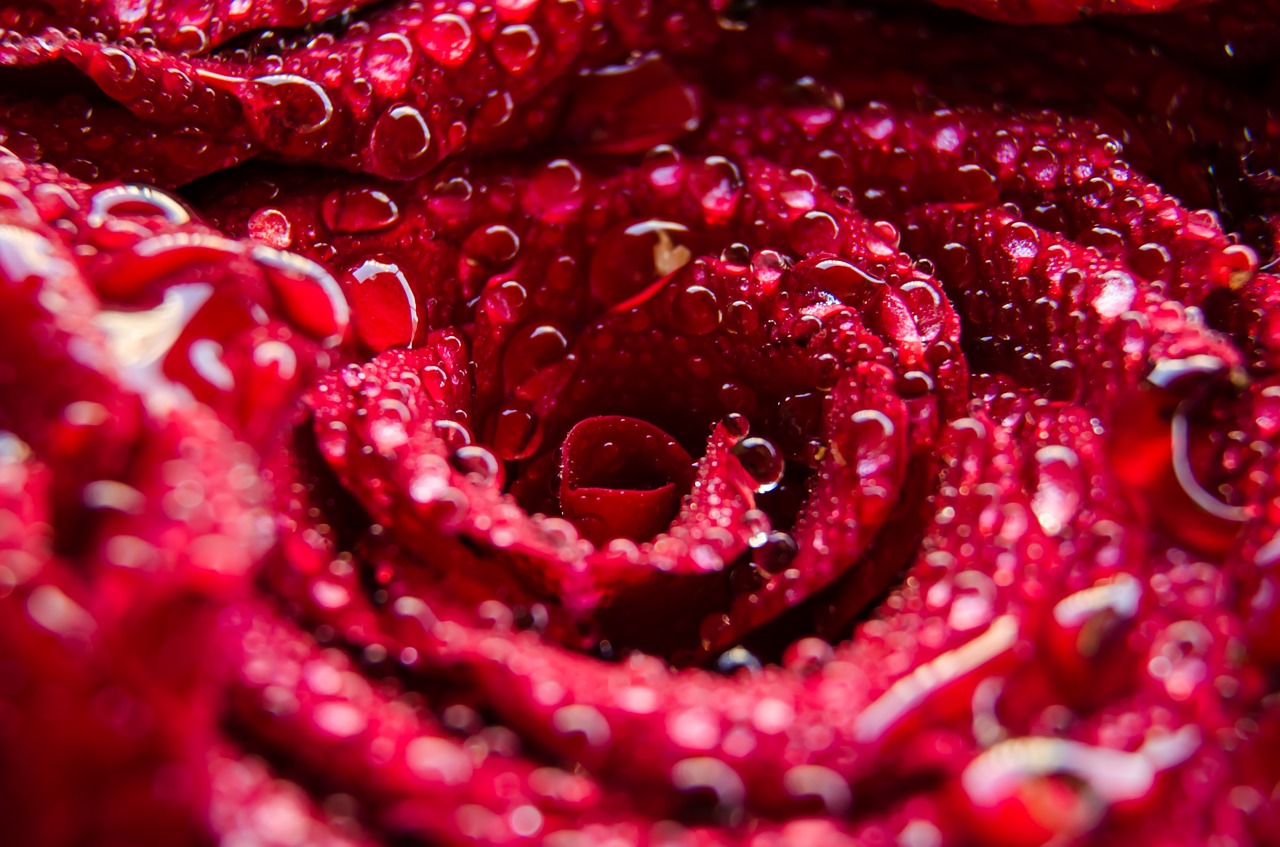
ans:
(695, 310)
(477, 463)
(555, 192)
(517, 433)
(399, 143)
(516, 47)
(814, 232)
(309, 296)
(272, 227)
(447, 39)
(135, 201)
(776, 554)
(762, 461)
(1042, 165)
(1116, 295)
(1021, 245)
(849, 283)
(117, 73)
(389, 63)
(492, 245)
(289, 102)
(736, 426)
(716, 182)
(160, 256)
(384, 308)
(630, 257)
(358, 209)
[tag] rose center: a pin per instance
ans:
(622, 477)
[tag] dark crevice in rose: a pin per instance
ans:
(340, 509)
(834, 613)
(50, 81)
(784, 503)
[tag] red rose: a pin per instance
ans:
(655, 422)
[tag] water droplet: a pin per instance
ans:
(628, 258)
(516, 47)
(695, 310)
(399, 143)
(389, 63)
(271, 227)
(1116, 295)
(824, 784)
(848, 283)
(1241, 263)
(736, 256)
(1057, 496)
(384, 308)
(291, 102)
(815, 232)
(915, 384)
(767, 268)
(717, 184)
(517, 433)
(478, 464)
(762, 461)
(492, 245)
(494, 111)
(736, 426)
(736, 15)
(976, 184)
(972, 601)
(808, 656)
(135, 200)
(584, 720)
(358, 209)
(736, 659)
(705, 773)
(309, 296)
(797, 190)
(776, 554)
(1021, 245)
(530, 350)
(555, 192)
(865, 442)
(447, 39)
(741, 317)
(1103, 150)
(1042, 165)
(207, 360)
(451, 197)
(438, 761)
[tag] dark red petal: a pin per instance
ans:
(648, 103)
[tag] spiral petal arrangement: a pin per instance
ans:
(657, 422)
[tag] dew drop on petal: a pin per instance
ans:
(447, 39)
(762, 461)
(516, 47)
(359, 209)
